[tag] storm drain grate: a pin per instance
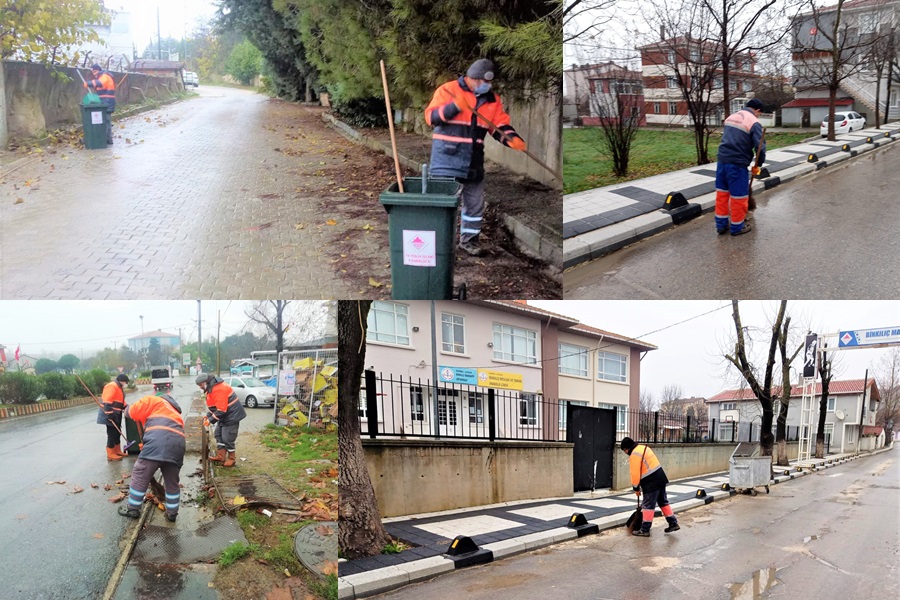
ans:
(159, 544)
(256, 491)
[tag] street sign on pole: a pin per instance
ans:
(869, 337)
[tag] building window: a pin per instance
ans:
(717, 83)
(695, 55)
(732, 85)
(868, 22)
(563, 420)
(620, 414)
(671, 57)
(515, 344)
(673, 108)
(476, 409)
(447, 415)
(388, 322)
(362, 407)
(527, 409)
(573, 360)
(671, 82)
(831, 402)
(453, 333)
(417, 403)
(656, 108)
(726, 430)
(611, 366)
(729, 406)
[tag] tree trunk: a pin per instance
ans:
(4, 133)
(360, 532)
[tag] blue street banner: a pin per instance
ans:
(458, 375)
(869, 337)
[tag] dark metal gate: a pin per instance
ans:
(593, 431)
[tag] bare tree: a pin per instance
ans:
(785, 395)
(832, 44)
(620, 107)
(670, 393)
(583, 18)
(646, 402)
(294, 321)
(761, 389)
(888, 378)
(881, 56)
(360, 532)
(826, 373)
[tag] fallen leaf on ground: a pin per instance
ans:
(21, 517)
(324, 530)
(374, 283)
(239, 500)
(94, 485)
(331, 222)
(77, 490)
(108, 487)
(329, 567)
(19, 201)
(117, 498)
(287, 573)
(59, 482)
(299, 225)
(99, 536)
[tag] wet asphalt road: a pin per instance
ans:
(57, 543)
(832, 534)
(831, 235)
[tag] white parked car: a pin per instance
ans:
(844, 122)
(251, 391)
(191, 78)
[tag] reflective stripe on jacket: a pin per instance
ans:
(163, 438)
(740, 138)
(647, 473)
(457, 148)
(105, 86)
(223, 403)
(113, 398)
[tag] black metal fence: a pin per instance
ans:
(407, 407)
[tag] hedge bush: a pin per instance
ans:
(96, 379)
(20, 388)
(58, 386)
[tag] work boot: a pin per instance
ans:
(171, 518)
(672, 527)
(219, 457)
(229, 462)
(641, 533)
(118, 450)
(471, 247)
(127, 511)
(743, 230)
(111, 454)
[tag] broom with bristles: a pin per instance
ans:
(634, 521)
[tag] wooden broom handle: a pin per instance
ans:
(390, 116)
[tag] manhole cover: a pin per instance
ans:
(316, 546)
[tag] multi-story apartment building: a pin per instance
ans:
(843, 426)
(530, 361)
(663, 61)
(864, 29)
(594, 93)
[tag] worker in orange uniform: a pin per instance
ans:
(162, 449)
(648, 476)
(457, 148)
(741, 137)
(110, 414)
(226, 411)
(105, 86)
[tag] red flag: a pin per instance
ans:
(18, 348)
(2, 356)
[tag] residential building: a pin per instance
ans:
(115, 50)
(663, 62)
(861, 21)
(843, 424)
(530, 361)
(141, 343)
(596, 93)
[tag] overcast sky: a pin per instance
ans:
(57, 327)
(690, 353)
(176, 17)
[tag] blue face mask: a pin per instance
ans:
(482, 89)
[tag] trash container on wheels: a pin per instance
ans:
(422, 233)
(131, 431)
(93, 121)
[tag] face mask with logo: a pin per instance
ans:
(482, 89)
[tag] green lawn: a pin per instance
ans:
(587, 165)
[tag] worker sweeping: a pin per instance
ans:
(457, 149)
(741, 137)
(162, 449)
(105, 86)
(226, 411)
(110, 414)
(648, 476)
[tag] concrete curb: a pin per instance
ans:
(130, 542)
(600, 242)
(527, 239)
(377, 581)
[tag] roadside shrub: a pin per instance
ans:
(367, 112)
(58, 386)
(96, 379)
(19, 388)
(144, 375)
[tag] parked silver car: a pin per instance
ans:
(251, 391)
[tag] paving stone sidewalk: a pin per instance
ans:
(513, 528)
(600, 221)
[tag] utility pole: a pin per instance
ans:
(199, 338)
(159, 43)
(218, 334)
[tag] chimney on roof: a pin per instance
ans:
(662, 33)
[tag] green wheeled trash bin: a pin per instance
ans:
(131, 430)
(93, 121)
(422, 233)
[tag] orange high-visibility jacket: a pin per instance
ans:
(105, 86)
(223, 403)
(457, 149)
(163, 438)
(113, 404)
(646, 471)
